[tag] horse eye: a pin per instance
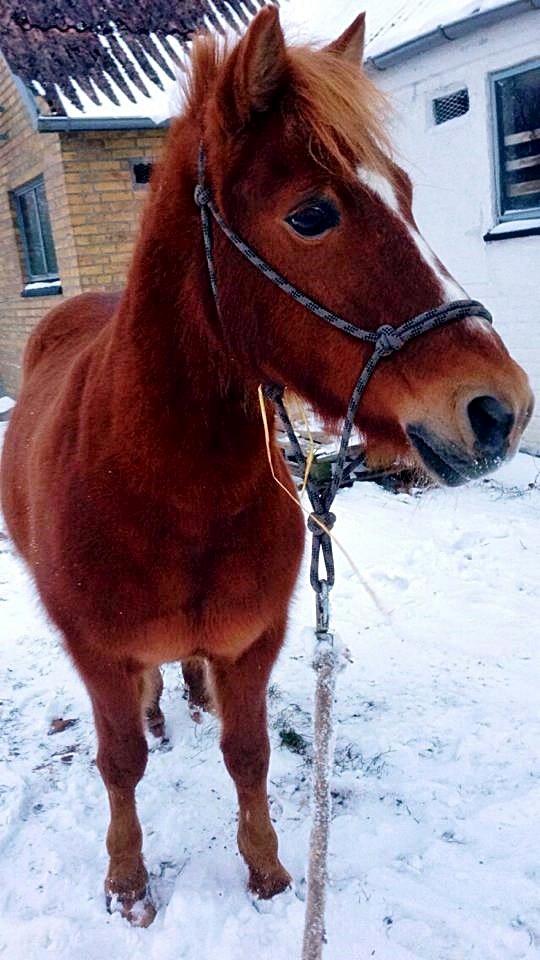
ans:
(314, 218)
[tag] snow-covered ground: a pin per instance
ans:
(434, 851)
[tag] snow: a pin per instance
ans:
(436, 784)
(424, 16)
(515, 226)
(389, 23)
(6, 403)
(41, 284)
(159, 104)
(39, 88)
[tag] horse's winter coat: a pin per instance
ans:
(135, 482)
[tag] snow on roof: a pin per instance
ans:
(93, 58)
(129, 72)
(417, 18)
(390, 23)
(144, 97)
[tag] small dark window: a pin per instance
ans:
(141, 172)
(517, 116)
(35, 231)
(452, 106)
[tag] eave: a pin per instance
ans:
(448, 32)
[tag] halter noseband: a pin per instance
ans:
(386, 341)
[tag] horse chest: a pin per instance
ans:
(212, 594)
(232, 592)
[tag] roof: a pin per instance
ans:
(397, 28)
(109, 57)
(415, 31)
(116, 62)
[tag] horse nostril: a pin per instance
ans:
(492, 423)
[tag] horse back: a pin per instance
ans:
(66, 330)
(53, 352)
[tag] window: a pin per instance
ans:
(141, 171)
(451, 106)
(516, 100)
(35, 232)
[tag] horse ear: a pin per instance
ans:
(257, 68)
(350, 44)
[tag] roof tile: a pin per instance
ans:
(55, 41)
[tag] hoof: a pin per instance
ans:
(136, 908)
(196, 712)
(198, 704)
(268, 885)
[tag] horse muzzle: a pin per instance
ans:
(495, 430)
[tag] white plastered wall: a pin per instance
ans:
(452, 167)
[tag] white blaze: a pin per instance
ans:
(385, 190)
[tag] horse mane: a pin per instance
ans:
(332, 103)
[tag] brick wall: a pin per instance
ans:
(104, 206)
(24, 155)
(93, 206)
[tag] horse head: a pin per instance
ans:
(300, 166)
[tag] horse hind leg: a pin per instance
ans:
(117, 693)
(197, 693)
(153, 689)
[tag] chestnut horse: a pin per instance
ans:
(135, 479)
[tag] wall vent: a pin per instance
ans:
(451, 106)
(141, 171)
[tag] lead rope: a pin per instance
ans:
(385, 341)
(327, 660)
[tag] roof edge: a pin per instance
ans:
(26, 97)
(47, 124)
(448, 32)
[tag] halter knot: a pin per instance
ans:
(202, 195)
(326, 519)
(388, 340)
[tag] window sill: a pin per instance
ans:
(510, 229)
(42, 288)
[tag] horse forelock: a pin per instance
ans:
(340, 111)
(336, 109)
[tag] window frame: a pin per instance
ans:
(26, 188)
(532, 213)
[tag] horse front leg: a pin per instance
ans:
(240, 692)
(117, 691)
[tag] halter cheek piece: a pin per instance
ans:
(385, 341)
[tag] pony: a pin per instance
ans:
(135, 479)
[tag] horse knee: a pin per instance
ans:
(122, 764)
(246, 761)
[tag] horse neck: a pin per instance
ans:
(188, 404)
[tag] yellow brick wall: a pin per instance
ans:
(24, 155)
(93, 206)
(104, 206)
